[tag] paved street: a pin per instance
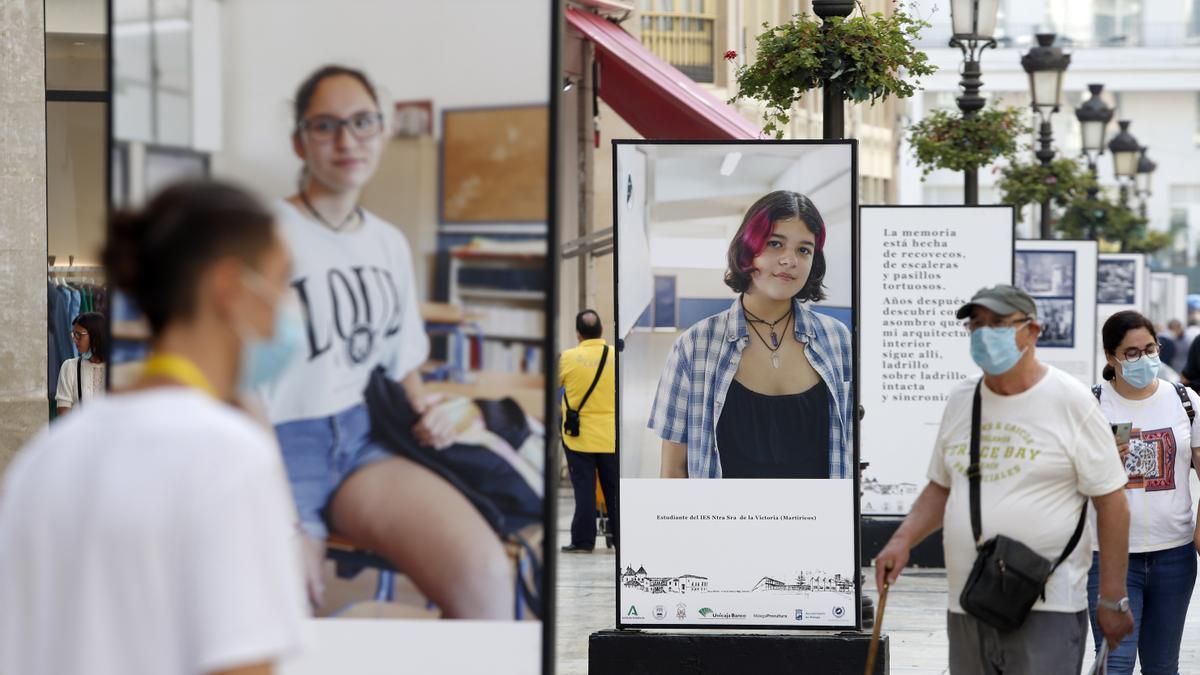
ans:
(915, 613)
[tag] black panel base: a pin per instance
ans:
(633, 652)
(877, 530)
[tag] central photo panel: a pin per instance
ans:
(735, 275)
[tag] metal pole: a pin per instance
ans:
(1093, 191)
(833, 110)
(970, 103)
(1045, 154)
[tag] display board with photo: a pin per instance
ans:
(1116, 282)
(413, 195)
(930, 260)
(735, 280)
(1049, 277)
(1061, 277)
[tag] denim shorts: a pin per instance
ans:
(319, 454)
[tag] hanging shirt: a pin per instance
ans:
(358, 300)
(149, 533)
(93, 376)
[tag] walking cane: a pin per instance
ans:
(874, 648)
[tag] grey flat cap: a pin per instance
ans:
(1001, 299)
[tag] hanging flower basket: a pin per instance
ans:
(944, 140)
(869, 57)
(1062, 182)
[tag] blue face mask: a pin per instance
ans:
(263, 359)
(995, 349)
(87, 356)
(1139, 374)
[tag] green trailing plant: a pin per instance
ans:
(867, 56)
(1062, 182)
(944, 140)
(1108, 220)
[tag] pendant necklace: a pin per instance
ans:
(771, 324)
(316, 214)
(774, 350)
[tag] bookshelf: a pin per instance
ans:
(502, 284)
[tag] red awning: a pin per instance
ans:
(652, 95)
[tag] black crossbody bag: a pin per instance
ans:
(1008, 576)
(571, 420)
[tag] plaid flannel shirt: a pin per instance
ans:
(702, 364)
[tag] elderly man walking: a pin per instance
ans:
(1021, 453)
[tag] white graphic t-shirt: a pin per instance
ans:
(358, 300)
(147, 533)
(1042, 452)
(1160, 456)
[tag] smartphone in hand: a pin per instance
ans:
(1121, 431)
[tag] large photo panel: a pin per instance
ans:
(405, 151)
(735, 285)
(925, 263)
(1060, 276)
(1120, 286)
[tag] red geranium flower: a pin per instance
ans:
(730, 55)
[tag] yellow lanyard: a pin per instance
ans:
(180, 369)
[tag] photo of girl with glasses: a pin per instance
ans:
(762, 389)
(84, 377)
(354, 278)
(1163, 445)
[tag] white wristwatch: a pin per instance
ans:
(1121, 605)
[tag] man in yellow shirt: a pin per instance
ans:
(590, 437)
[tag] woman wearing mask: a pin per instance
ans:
(1162, 532)
(83, 377)
(354, 279)
(767, 381)
(151, 533)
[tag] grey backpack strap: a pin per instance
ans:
(1186, 401)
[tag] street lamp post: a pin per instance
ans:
(1145, 171)
(974, 23)
(833, 118)
(1093, 115)
(1045, 64)
(1126, 152)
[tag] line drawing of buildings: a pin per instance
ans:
(686, 583)
(805, 582)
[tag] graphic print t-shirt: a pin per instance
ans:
(1042, 453)
(1160, 456)
(358, 300)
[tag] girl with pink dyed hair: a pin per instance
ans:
(762, 389)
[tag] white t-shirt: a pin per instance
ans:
(67, 393)
(1160, 457)
(1041, 453)
(358, 299)
(149, 533)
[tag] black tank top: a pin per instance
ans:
(762, 436)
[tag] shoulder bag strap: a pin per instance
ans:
(973, 469)
(79, 379)
(600, 369)
(1074, 537)
(1186, 401)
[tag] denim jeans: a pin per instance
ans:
(1160, 587)
(319, 454)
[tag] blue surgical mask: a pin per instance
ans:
(1139, 374)
(263, 359)
(995, 349)
(86, 356)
